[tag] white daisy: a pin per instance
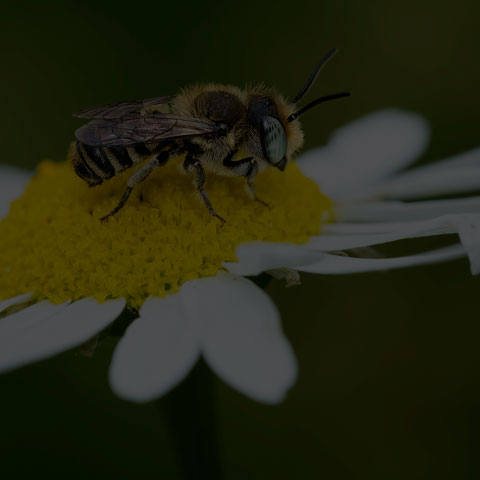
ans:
(219, 314)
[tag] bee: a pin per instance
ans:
(219, 128)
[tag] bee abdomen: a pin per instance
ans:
(96, 164)
(120, 158)
(84, 166)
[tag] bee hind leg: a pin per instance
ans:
(139, 176)
(192, 165)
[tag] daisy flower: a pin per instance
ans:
(66, 276)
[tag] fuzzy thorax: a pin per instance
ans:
(53, 243)
(185, 103)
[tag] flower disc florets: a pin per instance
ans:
(53, 243)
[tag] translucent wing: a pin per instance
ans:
(135, 128)
(118, 110)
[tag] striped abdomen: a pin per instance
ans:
(96, 164)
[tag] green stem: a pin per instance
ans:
(262, 280)
(191, 417)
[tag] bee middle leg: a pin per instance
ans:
(192, 165)
(139, 176)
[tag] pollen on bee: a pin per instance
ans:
(53, 243)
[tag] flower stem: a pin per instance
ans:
(262, 280)
(191, 418)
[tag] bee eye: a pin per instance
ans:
(274, 139)
(268, 103)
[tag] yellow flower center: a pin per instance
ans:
(53, 243)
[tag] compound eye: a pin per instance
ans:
(274, 139)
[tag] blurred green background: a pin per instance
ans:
(389, 381)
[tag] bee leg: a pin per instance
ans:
(192, 165)
(139, 176)
(250, 176)
(127, 193)
(248, 168)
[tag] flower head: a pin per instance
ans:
(54, 245)
(167, 257)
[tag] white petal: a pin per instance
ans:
(366, 151)
(242, 338)
(336, 264)
(257, 257)
(428, 182)
(470, 158)
(400, 211)
(468, 228)
(12, 184)
(12, 327)
(345, 236)
(44, 329)
(342, 241)
(363, 228)
(157, 351)
(4, 304)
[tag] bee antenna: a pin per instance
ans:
(326, 98)
(314, 74)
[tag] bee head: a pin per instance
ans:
(264, 118)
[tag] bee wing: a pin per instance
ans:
(149, 128)
(117, 110)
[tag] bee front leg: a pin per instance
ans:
(139, 176)
(248, 168)
(192, 165)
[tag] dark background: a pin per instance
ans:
(389, 364)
